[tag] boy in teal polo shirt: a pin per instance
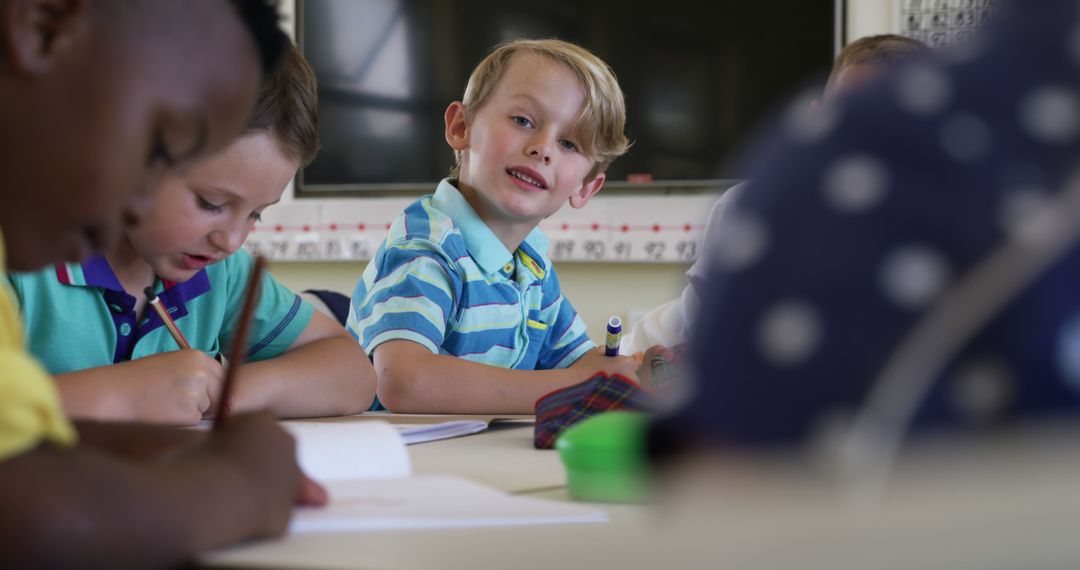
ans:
(88, 292)
(461, 308)
(114, 360)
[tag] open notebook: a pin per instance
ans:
(366, 469)
(411, 434)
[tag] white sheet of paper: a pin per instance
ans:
(431, 501)
(356, 450)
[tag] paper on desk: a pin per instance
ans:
(444, 430)
(431, 501)
(355, 450)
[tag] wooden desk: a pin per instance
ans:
(502, 457)
(1004, 502)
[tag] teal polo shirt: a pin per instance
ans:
(79, 316)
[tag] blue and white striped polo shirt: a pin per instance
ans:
(443, 280)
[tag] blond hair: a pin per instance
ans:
(600, 124)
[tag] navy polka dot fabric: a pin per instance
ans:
(919, 205)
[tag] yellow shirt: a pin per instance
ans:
(30, 409)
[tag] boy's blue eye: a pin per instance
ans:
(521, 121)
(568, 145)
(208, 206)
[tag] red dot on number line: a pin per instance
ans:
(565, 227)
(278, 228)
(625, 228)
(387, 226)
(595, 227)
(687, 227)
(656, 228)
(360, 227)
(307, 228)
(333, 227)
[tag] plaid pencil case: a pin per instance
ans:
(558, 410)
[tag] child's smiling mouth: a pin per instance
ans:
(529, 178)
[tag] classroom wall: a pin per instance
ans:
(869, 17)
(597, 290)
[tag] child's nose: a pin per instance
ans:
(540, 148)
(227, 239)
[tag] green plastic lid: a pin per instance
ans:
(605, 458)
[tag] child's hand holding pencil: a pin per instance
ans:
(174, 388)
(309, 492)
(264, 456)
(264, 453)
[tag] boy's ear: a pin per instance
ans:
(457, 132)
(588, 190)
(35, 32)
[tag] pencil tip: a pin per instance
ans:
(149, 292)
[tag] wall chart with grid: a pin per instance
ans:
(940, 23)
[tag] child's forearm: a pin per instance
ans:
(413, 380)
(90, 394)
(65, 508)
(326, 377)
(71, 507)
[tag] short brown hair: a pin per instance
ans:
(603, 116)
(287, 107)
(884, 50)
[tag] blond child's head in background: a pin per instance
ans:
(865, 57)
(205, 214)
(539, 123)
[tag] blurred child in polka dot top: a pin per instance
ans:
(916, 257)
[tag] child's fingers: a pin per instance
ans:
(312, 494)
(660, 351)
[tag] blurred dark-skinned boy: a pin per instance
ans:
(97, 101)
